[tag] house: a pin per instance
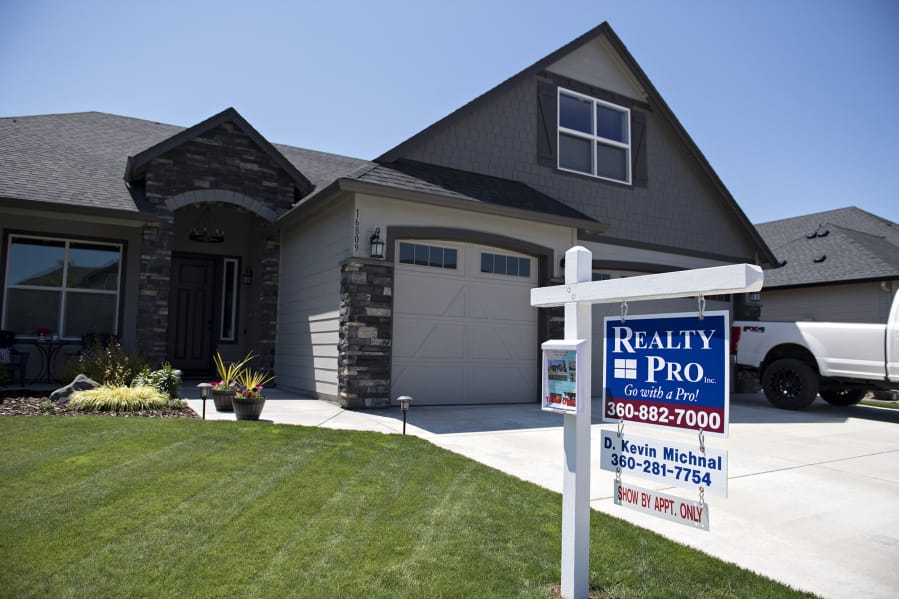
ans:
(839, 265)
(357, 280)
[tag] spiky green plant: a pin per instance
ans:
(228, 373)
(251, 382)
(119, 399)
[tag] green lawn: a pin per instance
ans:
(114, 507)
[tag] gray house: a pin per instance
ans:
(840, 265)
(356, 280)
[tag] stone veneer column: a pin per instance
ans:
(153, 301)
(267, 304)
(366, 333)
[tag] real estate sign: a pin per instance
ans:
(668, 370)
(669, 507)
(663, 461)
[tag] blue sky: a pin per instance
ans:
(793, 102)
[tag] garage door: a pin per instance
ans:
(464, 330)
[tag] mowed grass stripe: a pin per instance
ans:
(200, 509)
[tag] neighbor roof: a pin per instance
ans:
(837, 246)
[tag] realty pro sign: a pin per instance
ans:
(668, 370)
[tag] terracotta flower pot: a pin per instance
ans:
(222, 400)
(248, 408)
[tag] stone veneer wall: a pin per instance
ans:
(222, 159)
(366, 333)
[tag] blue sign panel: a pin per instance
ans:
(668, 370)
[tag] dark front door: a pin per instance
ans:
(191, 314)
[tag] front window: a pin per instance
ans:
(594, 137)
(65, 286)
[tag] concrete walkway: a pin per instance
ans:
(811, 494)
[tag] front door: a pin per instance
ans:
(191, 312)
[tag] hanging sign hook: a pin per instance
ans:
(700, 301)
(623, 310)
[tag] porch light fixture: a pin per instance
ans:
(204, 393)
(205, 230)
(247, 276)
(404, 406)
(377, 244)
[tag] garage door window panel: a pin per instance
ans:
(428, 255)
(500, 264)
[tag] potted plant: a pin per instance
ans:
(223, 390)
(248, 399)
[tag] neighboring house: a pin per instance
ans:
(840, 265)
(474, 211)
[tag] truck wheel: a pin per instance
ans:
(842, 396)
(790, 384)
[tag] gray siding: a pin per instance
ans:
(308, 308)
(498, 137)
(863, 302)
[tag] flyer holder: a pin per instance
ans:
(563, 391)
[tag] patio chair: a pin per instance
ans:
(12, 359)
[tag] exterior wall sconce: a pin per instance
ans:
(377, 245)
(247, 276)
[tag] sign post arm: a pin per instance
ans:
(576, 483)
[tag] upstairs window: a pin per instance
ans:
(594, 137)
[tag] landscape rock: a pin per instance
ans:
(80, 383)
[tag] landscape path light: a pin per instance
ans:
(404, 406)
(204, 393)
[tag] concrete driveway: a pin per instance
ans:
(810, 493)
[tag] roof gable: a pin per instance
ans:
(626, 84)
(137, 164)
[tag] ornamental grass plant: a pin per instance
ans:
(120, 399)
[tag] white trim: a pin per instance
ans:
(593, 137)
(234, 290)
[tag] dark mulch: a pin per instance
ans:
(16, 402)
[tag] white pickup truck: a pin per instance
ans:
(796, 361)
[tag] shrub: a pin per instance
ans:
(165, 380)
(119, 399)
(108, 365)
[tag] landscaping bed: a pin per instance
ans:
(21, 402)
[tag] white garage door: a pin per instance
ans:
(464, 330)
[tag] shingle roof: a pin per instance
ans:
(79, 159)
(468, 187)
(841, 245)
(74, 159)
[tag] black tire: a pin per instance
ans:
(790, 384)
(842, 396)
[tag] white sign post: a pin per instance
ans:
(578, 294)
